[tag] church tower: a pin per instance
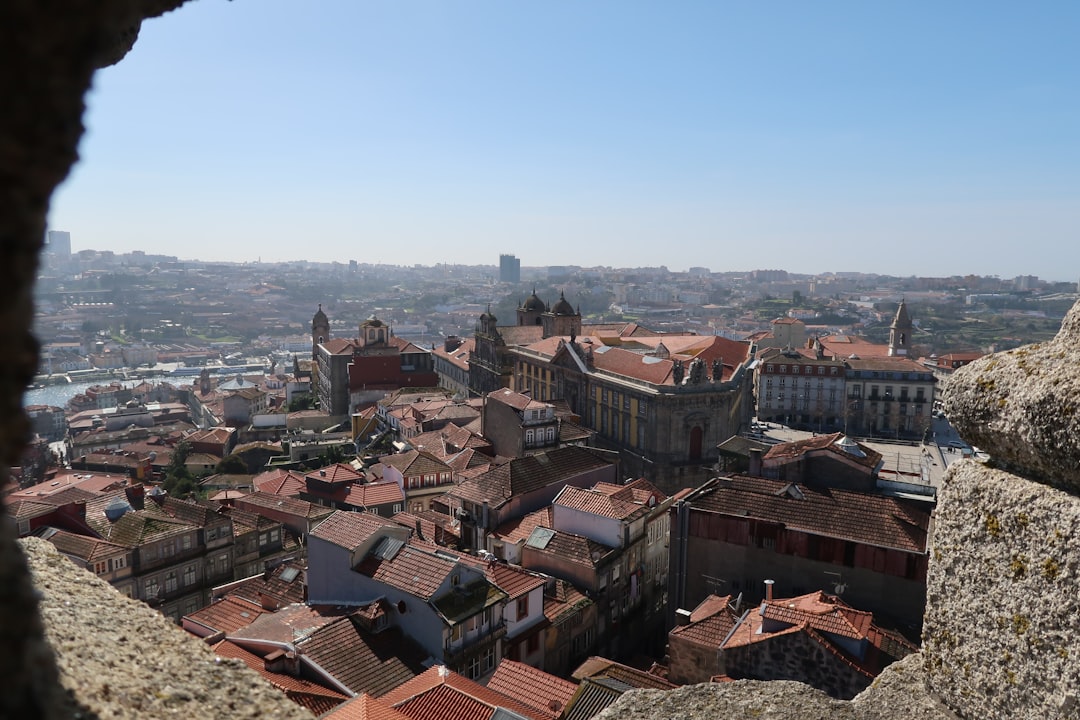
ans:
(900, 332)
(561, 319)
(320, 331)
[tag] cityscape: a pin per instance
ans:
(531, 488)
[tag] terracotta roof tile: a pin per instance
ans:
(364, 707)
(350, 529)
(512, 580)
(227, 615)
(523, 475)
(520, 529)
(280, 503)
(411, 570)
(362, 661)
(311, 695)
(599, 667)
(860, 517)
(530, 686)
(441, 694)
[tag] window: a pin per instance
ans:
(264, 538)
(522, 606)
(821, 370)
(783, 368)
(528, 437)
(101, 567)
(551, 434)
(768, 368)
(185, 542)
(455, 633)
(489, 616)
(189, 575)
(397, 508)
(150, 586)
(274, 535)
(119, 562)
(626, 402)
(489, 659)
(834, 371)
(473, 670)
(170, 581)
(642, 406)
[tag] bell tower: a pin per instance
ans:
(320, 331)
(900, 332)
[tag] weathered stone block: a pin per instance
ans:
(1023, 406)
(1002, 620)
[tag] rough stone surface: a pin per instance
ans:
(118, 658)
(773, 700)
(48, 52)
(997, 640)
(1023, 406)
(899, 692)
(1003, 612)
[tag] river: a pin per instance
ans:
(59, 395)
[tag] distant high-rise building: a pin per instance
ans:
(58, 243)
(509, 269)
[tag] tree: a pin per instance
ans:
(178, 479)
(231, 465)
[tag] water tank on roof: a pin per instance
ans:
(116, 509)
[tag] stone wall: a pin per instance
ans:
(1002, 603)
(796, 656)
(690, 662)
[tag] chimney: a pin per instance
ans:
(755, 463)
(135, 495)
(419, 532)
(275, 661)
(682, 617)
(768, 590)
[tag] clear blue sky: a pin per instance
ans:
(917, 137)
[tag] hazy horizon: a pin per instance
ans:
(916, 139)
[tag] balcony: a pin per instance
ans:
(459, 651)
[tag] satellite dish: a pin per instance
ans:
(839, 588)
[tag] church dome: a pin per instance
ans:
(562, 307)
(533, 303)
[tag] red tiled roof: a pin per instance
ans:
(362, 661)
(526, 474)
(563, 600)
(520, 529)
(349, 529)
(227, 615)
(710, 623)
(411, 570)
(620, 502)
(820, 444)
(311, 695)
(364, 707)
(441, 694)
(573, 548)
(860, 517)
(336, 473)
(511, 579)
(273, 587)
(596, 667)
(530, 686)
(415, 462)
(85, 548)
(280, 503)
(509, 397)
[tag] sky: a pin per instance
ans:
(905, 138)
